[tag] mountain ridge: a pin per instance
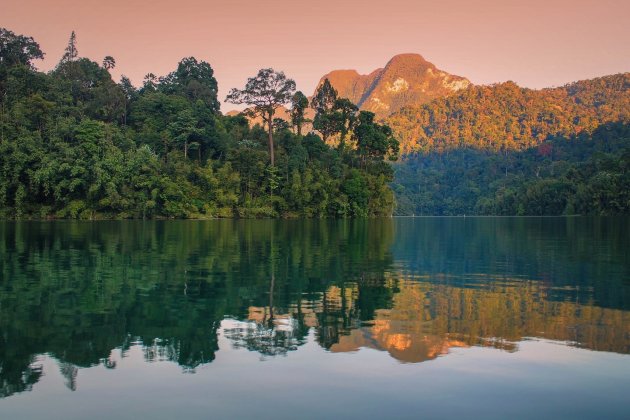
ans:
(407, 79)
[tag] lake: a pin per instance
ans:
(396, 318)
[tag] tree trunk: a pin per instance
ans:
(270, 124)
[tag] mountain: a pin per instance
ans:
(406, 80)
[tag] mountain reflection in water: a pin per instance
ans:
(414, 288)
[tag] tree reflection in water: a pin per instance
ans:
(411, 287)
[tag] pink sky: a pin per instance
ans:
(536, 43)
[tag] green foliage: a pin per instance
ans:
(264, 93)
(299, 103)
(505, 150)
(193, 80)
(506, 117)
(583, 174)
(346, 115)
(75, 144)
(374, 141)
(334, 116)
(323, 102)
(18, 50)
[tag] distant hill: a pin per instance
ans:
(406, 80)
(507, 117)
(507, 150)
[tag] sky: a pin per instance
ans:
(536, 43)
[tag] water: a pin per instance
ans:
(396, 318)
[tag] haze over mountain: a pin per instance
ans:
(406, 80)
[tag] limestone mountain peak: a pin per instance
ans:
(407, 79)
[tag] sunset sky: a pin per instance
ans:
(537, 43)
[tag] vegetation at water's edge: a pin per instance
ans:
(587, 174)
(75, 144)
(505, 150)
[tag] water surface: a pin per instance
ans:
(404, 318)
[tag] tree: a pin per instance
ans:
(150, 82)
(109, 62)
(15, 50)
(83, 78)
(183, 128)
(324, 98)
(130, 92)
(264, 94)
(193, 79)
(346, 116)
(71, 52)
(326, 121)
(374, 141)
(280, 124)
(18, 49)
(299, 103)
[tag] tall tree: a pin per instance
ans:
(299, 103)
(325, 97)
(18, 49)
(149, 83)
(71, 52)
(194, 80)
(109, 62)
(346, 116)
(374, 141)
(326, 121)
(131, 94)
(264, 94)
(15, 50)
(183, 129)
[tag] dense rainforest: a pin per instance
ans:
(76, 144)
(506, 150)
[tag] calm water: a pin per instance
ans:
(396, 318)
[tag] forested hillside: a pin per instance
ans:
(582, 174)
(505, 150)
(507, 117)
(76, 144)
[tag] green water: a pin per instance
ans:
(396, 318)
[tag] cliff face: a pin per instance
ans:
(406, 80)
